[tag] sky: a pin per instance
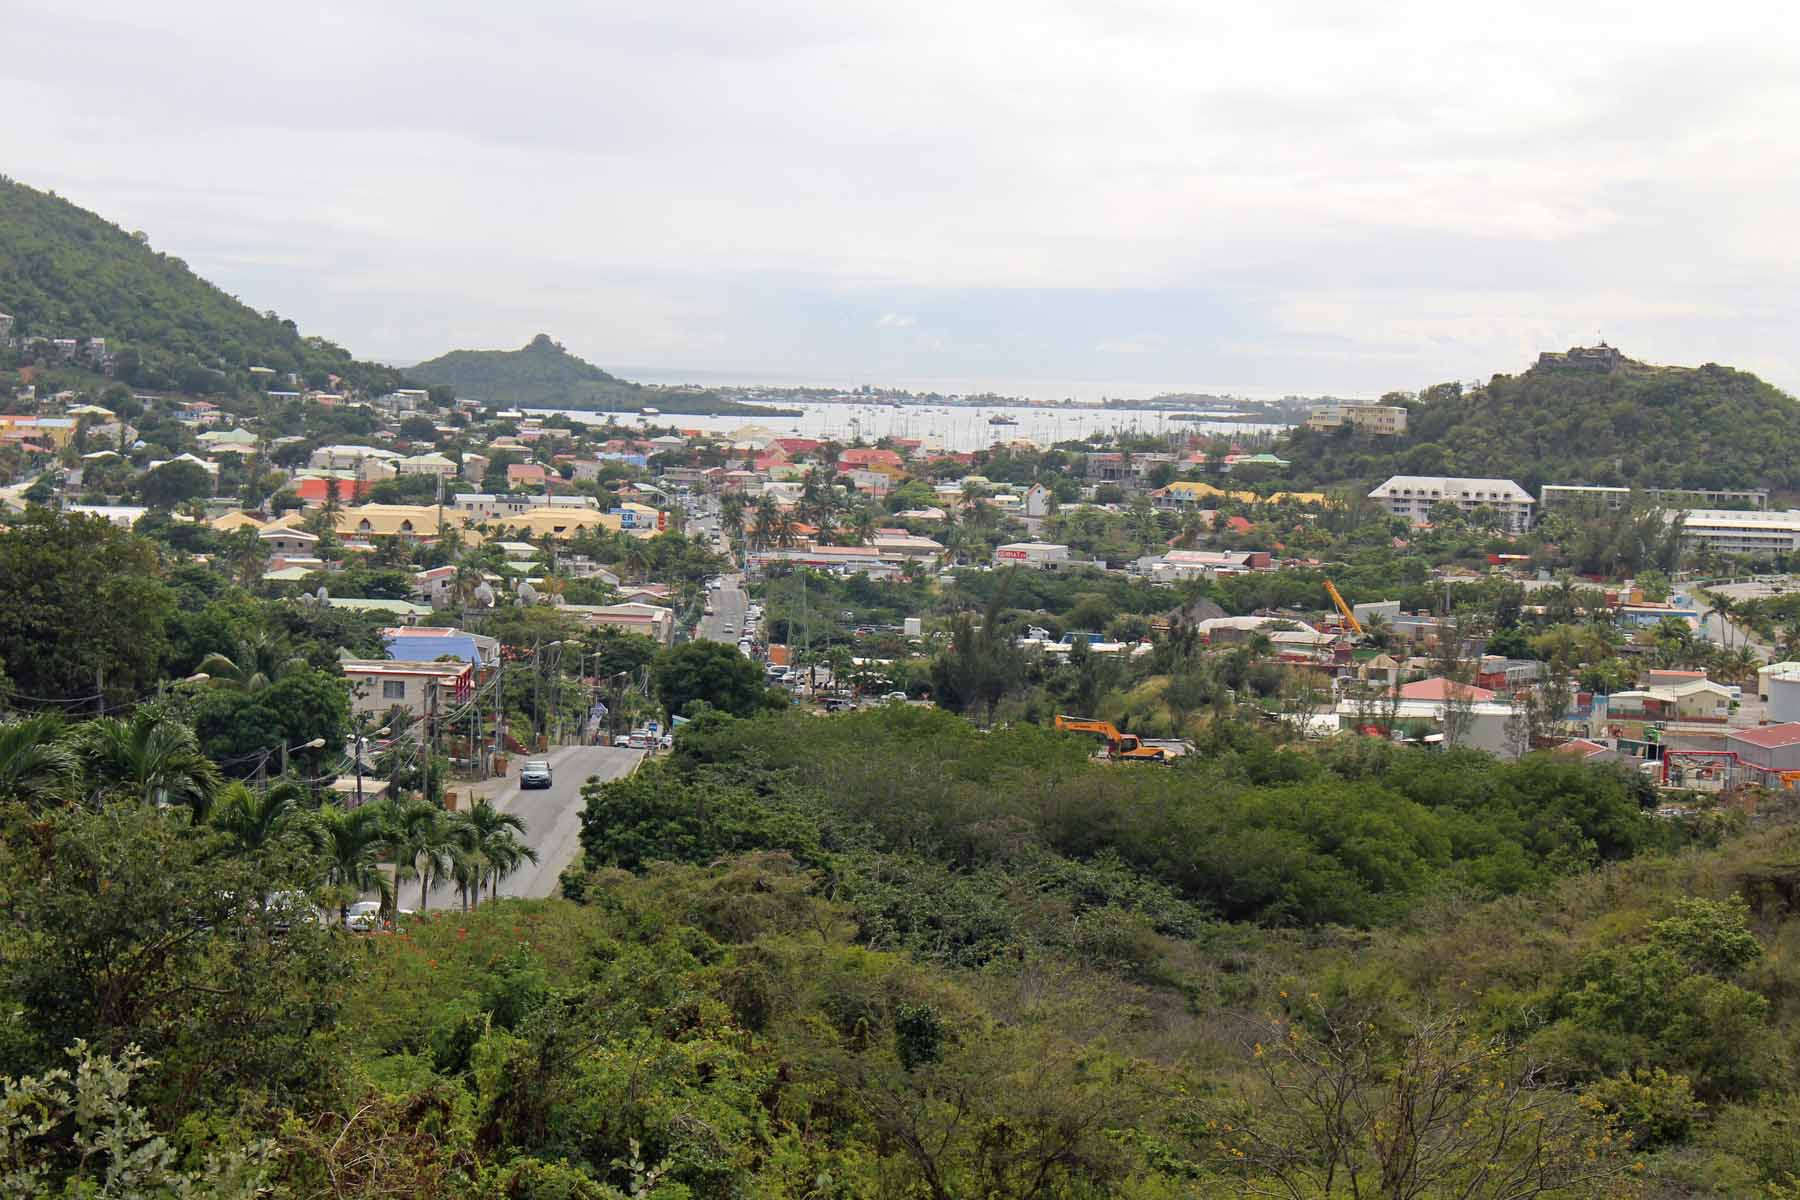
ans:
(1044, 197)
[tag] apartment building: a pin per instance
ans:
(1381, 419)
(1412, 496)
(1737, 531)
(1556, 495)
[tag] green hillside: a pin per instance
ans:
(542, 374)
(1635, 426)
(67, 273)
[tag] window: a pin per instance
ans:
(393, 689)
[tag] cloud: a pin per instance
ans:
(1283, 195)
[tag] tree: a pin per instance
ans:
(260, 659)
(353, 840)
(1339, 1109)
(709, 671)
(151, 758)
(83, 609)
(424, 845)
(495, 845)
(37, 763)
(981, 664)
(258, 819)
(247, 730)
(174, 483)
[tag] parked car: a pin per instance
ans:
(535, 774)
(838, 704)
(363, 917)
(895, 697)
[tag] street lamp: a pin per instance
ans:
(358, 753)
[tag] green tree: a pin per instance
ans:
(150, 758)
(709, 671)
(175, 483)
(83, 609)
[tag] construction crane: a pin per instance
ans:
(1337, 598)
(1121, 747)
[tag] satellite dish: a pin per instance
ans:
(484, 595)
(527, 594)
(323, 597)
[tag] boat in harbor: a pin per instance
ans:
(1002, 419)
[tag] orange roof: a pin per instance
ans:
(1438, 688)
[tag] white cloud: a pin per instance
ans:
(1341, 189)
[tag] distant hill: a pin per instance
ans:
(544, 375)
(1570, 419)
(67, 273)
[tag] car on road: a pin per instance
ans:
(363, 917)
(838, 704)
(534, 774)
(894, 697)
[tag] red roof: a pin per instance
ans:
(868, 458)
(1581, 746)
(1438, 688)
(313, 489)
(1769, 737)
(1238, 524)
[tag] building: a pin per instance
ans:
(1380, 419)
(1555, 495)
(1201, 564)
(1778, 685)
(198, 412)
(54, 432)
(1738, 531)
(485, 506)
(906, 546)
(433, 464)
(1040, 556)
(1766, 751)
(1412, 497)
(1690, 700)
(6, 327)
(287, 542)
(424, 689)
(474, 467)
(526, 475)
(365, 462)
(651, 620)
(1484, 722)
(1601, 359)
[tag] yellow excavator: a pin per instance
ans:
(1120, 747)
(1350, 621)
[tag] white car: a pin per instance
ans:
(364, 917)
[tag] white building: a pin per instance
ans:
(1735, 531)
(434, 464)
(1412, 496)
(1041, 556)
(1484, 721)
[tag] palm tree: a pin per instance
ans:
(36, 762)
(423, 844)
(766, 517)
(256, 820)
(260, 660)
(353, 840)
(862, 524)
(731, 516)
(496, 848)
(152, 758)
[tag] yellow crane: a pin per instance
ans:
(1344, 609)
(1124, 747)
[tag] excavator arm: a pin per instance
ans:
(1123, 746)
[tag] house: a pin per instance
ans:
(220, 441)
(484, 506)
(53, 432)
(287, 542)
(1414, 496)
(198, 412)
(1201, 564)
(866, 459)
(313, 489)
(1693, 700)
(1438, 688)
(364, 462)
(1379, 419)
(474, 467)
(905, 545)
(652, 620)
(1039, 500)
(1039, 556)
(434, 465)
(527, 475)
(423, 688)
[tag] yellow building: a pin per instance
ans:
(55, 432)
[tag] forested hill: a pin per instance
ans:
(67, 273)
(544, 375)
(1636, 425)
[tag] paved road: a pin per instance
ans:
(730, 604)
(552, 820)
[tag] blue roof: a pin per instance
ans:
(417, 647)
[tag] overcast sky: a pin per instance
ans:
(1260, 197)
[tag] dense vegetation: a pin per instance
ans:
(541, 374)
(1639, 426)
(67, 273)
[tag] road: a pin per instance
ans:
(730, 605)
(552, 818)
